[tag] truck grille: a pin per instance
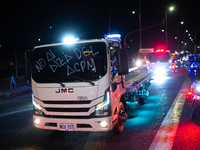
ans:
(67, 109)
(66, 102)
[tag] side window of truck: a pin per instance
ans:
(113, 61)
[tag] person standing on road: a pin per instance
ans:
(12, 72)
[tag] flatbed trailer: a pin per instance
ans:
(137, 84)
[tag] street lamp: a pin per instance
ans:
(195, 45)
(178, 33)
(133, 12)
(171, 9)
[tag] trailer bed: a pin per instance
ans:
(137, 79)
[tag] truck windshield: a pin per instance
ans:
(162, 57)
(143, 56)
(69, 63)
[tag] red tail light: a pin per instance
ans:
(189, 93)
(160, 50)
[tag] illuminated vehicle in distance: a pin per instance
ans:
(193, 95)
(193, 68)
(143, 58)
(177, 63)
(160, 62)
(173, 68)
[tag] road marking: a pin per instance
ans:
(165, 136)
(17, 111)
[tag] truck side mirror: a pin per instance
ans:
(122, 61)
(28, 55)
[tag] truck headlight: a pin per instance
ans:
(138, 63)
(102, 109)
(36, 106)
(37, 121)
(198, 88)
(160, 71)
(103, 124)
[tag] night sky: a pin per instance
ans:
(24, 22)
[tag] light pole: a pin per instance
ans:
(166, 30)
(178, 34)
(133, 12)
(140, 24)
(171, 9)
(139, 30)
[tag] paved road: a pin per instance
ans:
(163, 122)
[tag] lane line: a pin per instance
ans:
(165, 136)
(17, 111)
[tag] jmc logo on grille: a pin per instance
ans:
(66, 90)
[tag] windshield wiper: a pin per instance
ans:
(52, 79)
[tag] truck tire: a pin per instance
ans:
(194, 109)
(142, 101)
(120, 125)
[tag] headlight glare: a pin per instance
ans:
(138, 63)
(36, 106)
(104, 103)
(103, 124)
(37, 121)
(160, 71)
(102, 109)
(198, 88)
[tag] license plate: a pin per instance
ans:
(66, 127)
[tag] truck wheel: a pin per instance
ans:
(142, 101)
(194, 109)
(120, 125)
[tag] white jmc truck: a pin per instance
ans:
(79, 86)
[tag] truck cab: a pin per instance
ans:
(160, 62)
(78, 86)
(143, 58)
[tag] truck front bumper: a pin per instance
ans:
(87, 125)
